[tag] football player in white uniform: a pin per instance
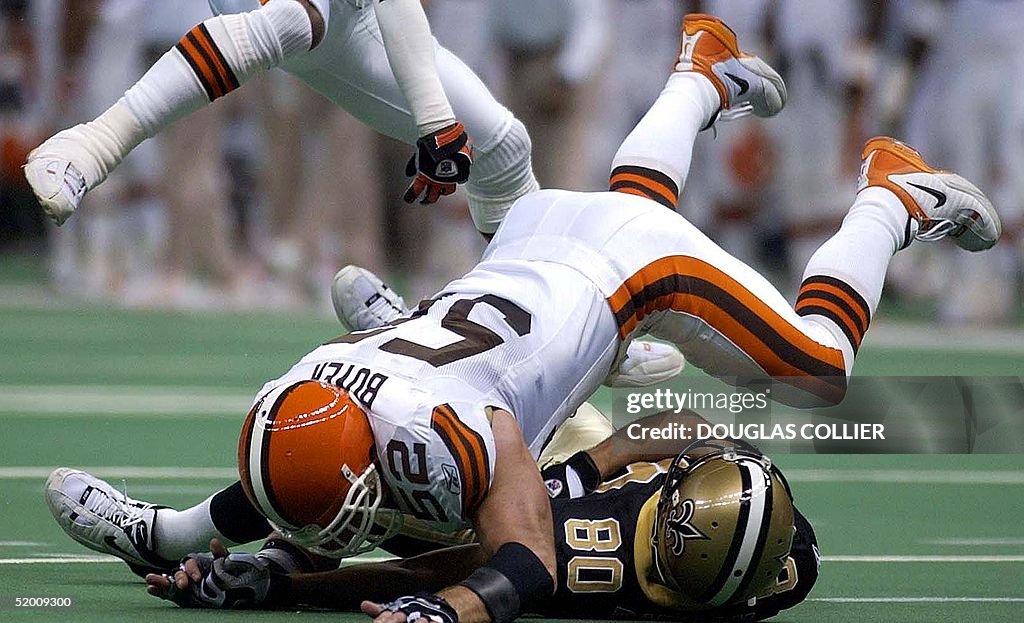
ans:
(441, 414)
(376, 59)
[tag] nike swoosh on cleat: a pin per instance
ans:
(940, 196)
(112, 543)
(740, 82)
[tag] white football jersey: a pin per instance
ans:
(533, 338)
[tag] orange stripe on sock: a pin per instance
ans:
(633, 191)
(660, 189)
(225, 74)
(852, 329)
(205, 73)
(857, 307)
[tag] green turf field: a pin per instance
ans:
(157, 398)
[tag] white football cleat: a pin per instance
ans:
(745, 84)
(647, 363)
(57, 184)
(69, 164)
(944, 204)
(362, 301)
(104, 519)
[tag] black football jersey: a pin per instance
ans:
(603, 570)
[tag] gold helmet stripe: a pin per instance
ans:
(751, 528)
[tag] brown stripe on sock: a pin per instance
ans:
(193, 56)
(220, 63)
(650, 183)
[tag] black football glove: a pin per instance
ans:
(236, 581)
(425, 607)
(441, 161)
(574, 478)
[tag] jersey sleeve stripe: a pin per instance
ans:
(470, 453)
(690, 285)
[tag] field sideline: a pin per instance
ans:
(157, 398)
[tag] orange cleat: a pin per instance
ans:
(745, 84)
(944, 204)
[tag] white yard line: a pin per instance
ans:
(977, 542)
(923, 558)
(62, 560)
(938, 338)
(128, 471)
(908, 476)
(918, 600)
(103, 400)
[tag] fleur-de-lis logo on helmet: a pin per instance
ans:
(678, 527)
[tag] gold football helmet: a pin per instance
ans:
(723, 528)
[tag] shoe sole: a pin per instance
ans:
(971, 239)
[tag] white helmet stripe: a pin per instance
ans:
(257, 445)
(759, 490)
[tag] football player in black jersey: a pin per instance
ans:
(711, 534)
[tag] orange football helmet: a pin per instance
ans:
(306, 461)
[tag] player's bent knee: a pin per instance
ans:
(500, 176)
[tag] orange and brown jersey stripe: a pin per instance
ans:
(645, 182)
(207, 62)
(470, 453)
(839, 302)
(692, 286)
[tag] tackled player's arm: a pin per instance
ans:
(345, 588)
(619, 450)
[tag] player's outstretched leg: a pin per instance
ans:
(713, 79)
(149, 537)
(900, 199)
(210, 61)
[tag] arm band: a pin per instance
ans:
(514, 580)
(587, 471)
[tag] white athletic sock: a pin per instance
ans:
(663, 140)
(178, 533)
(499, 177)
(210, 61)
(843, 279)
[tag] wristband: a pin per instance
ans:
(587, 471)
(514, 580)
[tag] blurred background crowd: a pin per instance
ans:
(256, 201)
